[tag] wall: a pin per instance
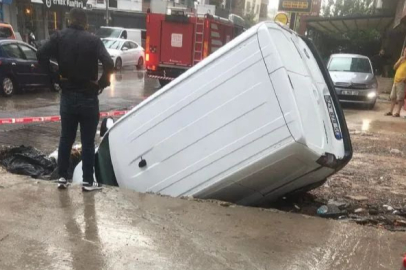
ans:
(10, 15)
(124, 5)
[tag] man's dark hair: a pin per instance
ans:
(78, 17)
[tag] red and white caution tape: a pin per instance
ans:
(27, 120)
(161, 77)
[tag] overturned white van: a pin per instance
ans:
(257, 119)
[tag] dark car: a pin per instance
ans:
(19, 69)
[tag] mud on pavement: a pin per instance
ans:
(42, 228)
(371, 189)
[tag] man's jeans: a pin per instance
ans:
(78, 108)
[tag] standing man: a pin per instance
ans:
(77, 53)
(398, 89)
(379, 61)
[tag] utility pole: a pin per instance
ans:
(107, 13)
(292, 21)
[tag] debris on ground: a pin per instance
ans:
(26, 160)
(396, 152)
(330, 211)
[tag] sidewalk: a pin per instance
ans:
(43, 228)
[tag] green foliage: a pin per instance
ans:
(366, 42)
(334, 8)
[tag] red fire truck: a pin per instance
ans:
(178, 41)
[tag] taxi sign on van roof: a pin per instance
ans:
(282, 18)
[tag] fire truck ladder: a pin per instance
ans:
(199, 38)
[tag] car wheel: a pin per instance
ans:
(163, 82)
(140, 64)
(8, 87)
(55, 87)
(119, 64)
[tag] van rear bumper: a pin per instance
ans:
(348, 151)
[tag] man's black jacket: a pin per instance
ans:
(77, 53)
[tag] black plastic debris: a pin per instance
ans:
(26, 160)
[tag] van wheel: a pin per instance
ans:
(8, 87)
(119, 64)
(140, 64)
(163, 82)
(105, 125)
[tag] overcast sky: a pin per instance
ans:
(273, 4)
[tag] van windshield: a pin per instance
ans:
(350, 64)
(5, 32)
(108, 33)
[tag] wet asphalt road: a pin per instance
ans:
(128, 88)
(43, 228)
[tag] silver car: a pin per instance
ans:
(353, 78)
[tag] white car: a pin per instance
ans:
(124, 52)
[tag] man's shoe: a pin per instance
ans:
(91, 187)
(63, 183)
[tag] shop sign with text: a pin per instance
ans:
(64, 3)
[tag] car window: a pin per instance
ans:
(112, 44)
(13, 51)
(127, 45)
(133, 45)
(30, 54)
(5, 32)
(350, 64)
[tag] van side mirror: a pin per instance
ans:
(125, 49)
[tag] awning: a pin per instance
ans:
(37, 2)
(349, 23)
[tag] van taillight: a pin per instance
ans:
(147, 57)
(147, 18)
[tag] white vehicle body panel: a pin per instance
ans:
(247, 124)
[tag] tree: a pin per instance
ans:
(366, 42)
(334, 8)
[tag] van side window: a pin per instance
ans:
(124, 34)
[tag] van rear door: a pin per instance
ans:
(177, 43)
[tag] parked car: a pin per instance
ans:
(136, 35)
(6, 31)
(255, 120)
(19, 69)
(124, 52)
(354, 79)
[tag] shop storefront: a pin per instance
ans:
(44, 17)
